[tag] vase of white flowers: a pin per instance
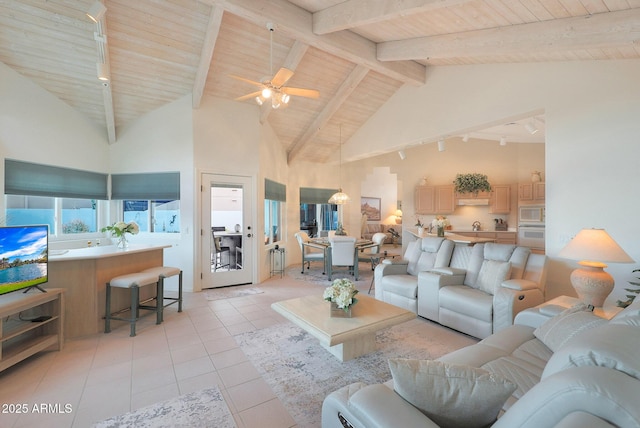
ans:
(119, 231)
(439, 223)
(341, 293)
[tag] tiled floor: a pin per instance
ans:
(110, 374)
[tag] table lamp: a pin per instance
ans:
(593, 248)
(398, 215)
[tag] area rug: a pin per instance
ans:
(302, 373)
(314, 275)
(230, 292)
(200, 409)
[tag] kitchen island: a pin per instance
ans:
(84, 272)
(458, 239)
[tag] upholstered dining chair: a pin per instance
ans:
(310, 251)
(342, 253)
(366, 254)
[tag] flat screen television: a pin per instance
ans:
(24, 257)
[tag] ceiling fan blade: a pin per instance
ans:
(253, 82)
(251, 95)
(299, 92)
(281, 77)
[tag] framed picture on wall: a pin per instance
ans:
(370, 207)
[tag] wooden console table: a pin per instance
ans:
(84, 272)
(20, 338)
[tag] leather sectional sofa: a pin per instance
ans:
(566, 368)
(477, 290)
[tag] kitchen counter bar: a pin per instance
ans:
(459, 239)
(84, 272)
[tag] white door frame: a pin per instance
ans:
(222, 278)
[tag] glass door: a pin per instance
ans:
(227, 231)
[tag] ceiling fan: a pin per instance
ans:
(273, 88)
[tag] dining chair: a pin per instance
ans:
(343, 254)
(368, 253)
(310, 252)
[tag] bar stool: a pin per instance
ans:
(161, 273)
(132, 281)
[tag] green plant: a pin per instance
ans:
(630, 297)
(75, 226)
(471, 183)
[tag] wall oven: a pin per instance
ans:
(532, 236)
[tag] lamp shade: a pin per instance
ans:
(594, 245)
(398, 213)
(339, 198)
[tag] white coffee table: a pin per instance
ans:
(345, 338)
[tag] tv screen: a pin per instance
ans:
(23, 257)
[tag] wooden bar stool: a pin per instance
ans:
(132, 281)
(163, 272)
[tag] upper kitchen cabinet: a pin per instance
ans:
(500, 202)
(531, 192)
(434, 199)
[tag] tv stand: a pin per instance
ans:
(34, 286)
(19, 337)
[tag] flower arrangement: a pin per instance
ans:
(440, 221)
(471, 183)
(634, 293)
(120, 228)
(341, 292)
(419, 221)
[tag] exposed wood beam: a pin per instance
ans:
(291, 62)
(603, 30)
(213, 28)
(297, 24)
(354, 13)
(347, 87)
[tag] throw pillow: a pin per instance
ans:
(451, 395)
(557, 331)
(492, 274)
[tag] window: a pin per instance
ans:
(315, 213)
(274, 199)
(153, 216)
(68, 200)
(150, 199)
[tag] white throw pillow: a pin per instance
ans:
(492, 274)
(451, 395)
(571, 322)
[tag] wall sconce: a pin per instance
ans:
(441, 145)
(96, 11)
(402, 154)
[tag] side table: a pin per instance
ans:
(277, 261)
(376, 258)
(607, 312)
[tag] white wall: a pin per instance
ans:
(591, 111)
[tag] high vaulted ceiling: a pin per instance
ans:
(357, 53)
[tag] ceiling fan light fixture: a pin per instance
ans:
(266, 93)
(285, 98)
(259, 100)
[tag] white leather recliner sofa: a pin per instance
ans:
(397, 282)
(592, 379)
(483, 288)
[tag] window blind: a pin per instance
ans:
(26, 178)
(154, 186)
(311, 195)
(275, 191)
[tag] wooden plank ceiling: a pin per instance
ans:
(357, 53)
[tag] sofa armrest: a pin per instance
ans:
(508, 302)
(371, 406)
(448, 271)
(520, 284)
(384, 269)
(606, 393)
(429, 285)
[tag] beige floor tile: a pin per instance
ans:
(250, 394)
(242, 327)
(238, 374)
(228, 358)
(197, 383)
(193, 368)
(149, 397)
(220, 345)
(152, 379)
(271, 414)
(188, 353)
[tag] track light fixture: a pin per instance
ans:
(503, 141)
(402, 154)
(104, 73)
(531, 126)
(441, 145)
(465, 138)
(96, 11)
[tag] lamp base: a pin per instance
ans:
(592, 284)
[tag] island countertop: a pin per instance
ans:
(455, 238)
(100, 252)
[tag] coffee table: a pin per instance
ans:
(345, 338)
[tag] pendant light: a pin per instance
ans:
(340, 198)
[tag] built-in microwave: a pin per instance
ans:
(531, 214)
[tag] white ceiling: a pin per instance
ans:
(357, 53)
